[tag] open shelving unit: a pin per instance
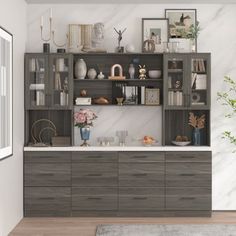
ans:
(51, 88)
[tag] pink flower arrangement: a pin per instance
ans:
(84, 118)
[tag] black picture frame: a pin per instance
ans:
(155, 19)
(181, 11)
(9, 36)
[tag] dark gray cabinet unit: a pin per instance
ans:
(117, 183)
(187, 88)
(47, 183)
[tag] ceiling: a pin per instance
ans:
(130, 1)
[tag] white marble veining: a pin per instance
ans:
(119, 149)
(217, 36)
(138, 121)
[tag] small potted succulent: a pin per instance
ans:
(84, 120)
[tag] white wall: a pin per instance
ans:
(217, 36)
(13, 18)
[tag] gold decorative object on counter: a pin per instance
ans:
(37, 139)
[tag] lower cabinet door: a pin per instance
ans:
(94, 199)
(47, 201)
(188, 199)
(146, 199)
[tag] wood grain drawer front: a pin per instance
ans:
(188, 174)
(94, 199)
(149, 199)
(141, 174)
(141, 157)
(94, 157)
(47, 201)
(188, 156)
(47, 157)
(49, 174)
(188, 199)
(99, 174)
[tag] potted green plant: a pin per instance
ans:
(228, 99)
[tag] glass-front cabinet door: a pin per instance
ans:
(199, 84)
(175, 89)
(61, 74)
(36, 69)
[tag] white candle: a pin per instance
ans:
(41, 21)
(51, 13)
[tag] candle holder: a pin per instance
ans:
(51, 36)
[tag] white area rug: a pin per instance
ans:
(166, 230)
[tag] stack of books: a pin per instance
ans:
(175, 98)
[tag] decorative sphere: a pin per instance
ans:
(130, 48)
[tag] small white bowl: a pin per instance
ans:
(154, 74)
(181, 143)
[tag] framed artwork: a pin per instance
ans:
(182, 23)
(152, 96)
(6, 106)
(154, 34)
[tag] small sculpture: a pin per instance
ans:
(120, 76)
(120, 33)
(142, 72)
(148, 46)
(98, 36)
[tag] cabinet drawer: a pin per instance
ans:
(100, 174)
(37, 174)
(148, 199)
(188, 156)
(141, 174)
(94, 157)
(141, 157)
(47, 201)
(94, 199)
(46, 157)
(188, 199)
(188, 174)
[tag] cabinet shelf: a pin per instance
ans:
(109, 80)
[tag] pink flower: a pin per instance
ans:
(84, 117)
(79, 117)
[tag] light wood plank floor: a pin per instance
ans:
(87, 226)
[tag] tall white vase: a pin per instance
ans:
(80, 69)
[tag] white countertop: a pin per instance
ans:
(118, 148)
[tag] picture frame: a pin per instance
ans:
(181, 21)
(154, 33)
(152, 96)
(6, 94)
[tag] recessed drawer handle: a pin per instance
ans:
(94, 198)
(187, 174)
(188, 157)
(45, 157)
(140, 198)
(187, 198)
(139, 175)
(46, 174)
(94, 156)
(47, 198)
(94, 175)
(139, 157)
